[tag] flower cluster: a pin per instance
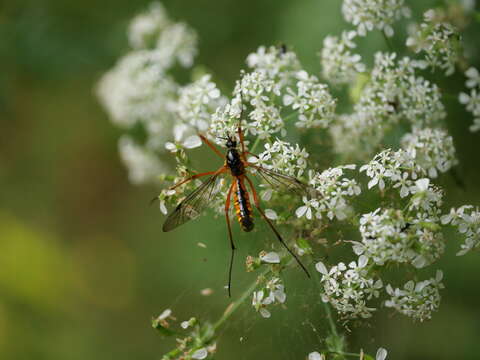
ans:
(416, 300)
(393, 93)
(277, 63)
(143, 165)
(390, 235)
(439, 41)
(194, 339)
(331, 194)
(367, 15)
(472, 100)
(312, 100)
(272, 293)
(283, 157)
(197, 102)
(397, 167)
(348, 288)
(432, 149)
(467, 219)
(339, 64)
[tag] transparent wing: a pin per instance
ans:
(194, 204)
(284, 182)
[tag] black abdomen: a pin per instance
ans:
(243, 209)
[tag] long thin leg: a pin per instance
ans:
(279, 237)
(196, 176)
(239, 130)
(232, 245)
(211, 146)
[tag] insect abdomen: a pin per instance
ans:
(243, 208)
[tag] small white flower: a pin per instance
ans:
(271, 258)
(473, 77)
(271, 214)
(381, 354)
(380, 14)
(185, 324)
(200, 354)
(440, 41)
(165, 314)
(315, 356)
(339, 65)
(142, 164)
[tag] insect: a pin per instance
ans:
(236, 165)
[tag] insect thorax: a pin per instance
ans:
(234, 162)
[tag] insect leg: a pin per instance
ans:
(232, 245)
(211, 146)
(239, 130)
(196, 176)
(277, 234)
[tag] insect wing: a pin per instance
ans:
(194, 204)
(284, 182)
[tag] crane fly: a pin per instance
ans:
(235, 164)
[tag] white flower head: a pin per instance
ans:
(367, 15)
(339, 64)
(416, 300)
(439, 40)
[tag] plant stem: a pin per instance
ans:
(387, 41)
(255, 144)
(331, 322)
(343, 353)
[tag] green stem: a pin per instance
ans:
(289, 116)
(331, 322)
(328, 311)
(343, 353)
(255, 144)
(387, 41)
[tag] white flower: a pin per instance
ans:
(276, 295)
(473, 77)
(316, 356)
(432, 149)
(198, 101)
(393, 93)
(271, 258)
(275, 63)
(138, 89)
(348, 289)
(339, 65)
(185, 324)
(391, 236)
(145, 27)
(165, 314)
(283, 157)
(381, 354)
(180, 132)
(369, 14)
(419, 300)
(200, 354)
(312, 100)
(306, 210)
(472, 100)
(178, 42)
(440, 42)
(467, 220)
(143, 165)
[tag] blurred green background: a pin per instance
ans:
(83, 262)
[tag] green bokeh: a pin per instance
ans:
(83, 262)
